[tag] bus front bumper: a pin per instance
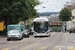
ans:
(41, 34)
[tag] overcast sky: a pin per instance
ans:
(51, 5)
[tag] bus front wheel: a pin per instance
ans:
(34, 36)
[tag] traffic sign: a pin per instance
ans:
(64, 23)
(26, 23)
(1, 26)
(54, 23)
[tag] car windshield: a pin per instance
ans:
(14, 28)
(14, 31)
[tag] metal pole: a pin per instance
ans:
(24, 24)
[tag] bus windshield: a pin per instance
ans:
(40, 27)
(14, 28)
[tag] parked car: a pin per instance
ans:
(51, 30)
(31, 31)
(72, 30)
(14, 34)
(26, 33)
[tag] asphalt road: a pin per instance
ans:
(57, 41)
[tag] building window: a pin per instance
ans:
(74, 12)
(68, 7)
(73, 17)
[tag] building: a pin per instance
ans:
(71, 7)
(54, 15)
(72, 3)
(54, 21)
(72, 22)
(65, 5)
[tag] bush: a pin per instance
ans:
(3, 32)
(29, 24)
(56, 29)
(67, 30)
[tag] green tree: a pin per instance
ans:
(12, 10)
(65, 14)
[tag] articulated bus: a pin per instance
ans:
(41, 26)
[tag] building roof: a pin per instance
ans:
(54, 20)
(70, 7)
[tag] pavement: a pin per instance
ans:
(57, 41)
(2, 37)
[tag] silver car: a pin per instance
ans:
(26, 33)
(14, 34)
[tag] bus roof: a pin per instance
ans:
(40, 19)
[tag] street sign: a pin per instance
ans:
(64, 23)
(22, 22)
(26, 23)
(54, 23)
(1, 26)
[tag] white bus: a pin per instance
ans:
(41, 27)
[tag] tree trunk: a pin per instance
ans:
(6, 23)
(66, 26)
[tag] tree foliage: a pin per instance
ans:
(12, 10)
(65, 15)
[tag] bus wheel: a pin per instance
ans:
(34, 36)
(49, 35)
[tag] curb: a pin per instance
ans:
(2, 37)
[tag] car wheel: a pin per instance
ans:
(70, 32)
(27, 36)
(8, 39)
(22, 37)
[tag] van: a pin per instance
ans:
(11, 29)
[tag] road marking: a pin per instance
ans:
(56, 48)
(33, 40)
(45, 38)
(23, 39)
(15, 47)
(10, 42)
(1, 42)
(30, 46)
(6, 49)
(42, 48)
(65, 34)
(71, 48)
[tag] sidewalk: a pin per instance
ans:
(2, 37)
